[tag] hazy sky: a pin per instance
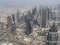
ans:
(28, 2)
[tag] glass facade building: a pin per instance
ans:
(52, 37)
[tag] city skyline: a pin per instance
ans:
(29, 22)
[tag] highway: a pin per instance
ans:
(6, 31)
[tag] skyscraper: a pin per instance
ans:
(52, 37)
(29, 23)
(13, 23)
(43, 17)
(17, 15)
(50, 14)
(9, 21)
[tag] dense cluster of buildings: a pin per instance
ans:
(33, 22)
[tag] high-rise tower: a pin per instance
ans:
(43, 17)
(29, 23)
(9, 20)
(28, 26)
(13, 23)
(52, 37)
(17, 15)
